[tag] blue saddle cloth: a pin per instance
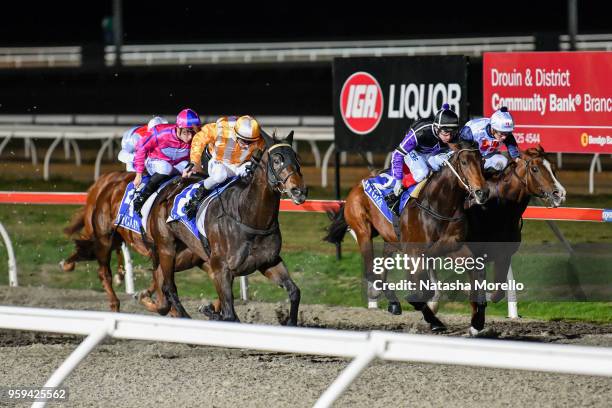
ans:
(376, 188)
(177, 213)
(126, 216)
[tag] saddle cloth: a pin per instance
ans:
(376, 188)
(127, 217)
(195, 224)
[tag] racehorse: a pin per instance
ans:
(436, 218)
(99, 237)
(500, 221)
(242, 233)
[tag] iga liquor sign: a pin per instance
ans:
(561, 100)
(377, 99)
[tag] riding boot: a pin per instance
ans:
(154, 182)
(191, 208)
(393, 202)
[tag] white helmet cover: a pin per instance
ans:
(502, 121)
(157, 120)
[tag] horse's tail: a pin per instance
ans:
(76, 223)
(338, 227)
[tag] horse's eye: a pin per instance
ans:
(535, 169)
(463, 163)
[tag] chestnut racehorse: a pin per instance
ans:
(98, 237)
(435, 218)
(242, 230)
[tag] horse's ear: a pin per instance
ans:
(269, 140)
(289, 138)
(540, 149)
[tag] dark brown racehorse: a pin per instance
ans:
(436, 218)
(500, 221)
(98, 237)
(242, 230)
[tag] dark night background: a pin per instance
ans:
(290, 89)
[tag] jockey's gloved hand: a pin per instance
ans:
(398, 188)
(437, 161)
(244, 170)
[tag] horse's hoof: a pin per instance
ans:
(66, 267)
(472, 332)
(209, 311)
(394, 308)
(437, 328)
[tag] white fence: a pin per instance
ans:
(362, 346)
(108, 129)
(279, 52)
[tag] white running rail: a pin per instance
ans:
(362, 346)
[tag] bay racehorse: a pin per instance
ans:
(242, 233)
(436, 218)
(97, 236)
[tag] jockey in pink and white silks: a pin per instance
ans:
(490, 134)
(164, 153)
(130, 139)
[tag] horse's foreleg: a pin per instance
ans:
(434, 303)
(223, 280)
(502, 264)
(420, 303)
(280, 275)
(478, 301)
(144, 296)
(168, 287)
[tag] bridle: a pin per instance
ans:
(463, 180)
(530, 173)
(275, 181)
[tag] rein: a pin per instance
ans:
(470, 190)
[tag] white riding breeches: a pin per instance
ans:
(218, 172)
(417, 163)
(163, 167)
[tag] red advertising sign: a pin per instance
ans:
(561, 100)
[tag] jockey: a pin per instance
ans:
(130, 139)
(164, 153)
(490, 134)
(424, 147)
(231, 142)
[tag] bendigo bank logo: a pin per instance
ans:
(584, 140)
(361, 103)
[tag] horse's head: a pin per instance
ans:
(282, 166)
(539, 176)
(467, 164)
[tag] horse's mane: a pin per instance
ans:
(466, 144)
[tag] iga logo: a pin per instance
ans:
(361, 103)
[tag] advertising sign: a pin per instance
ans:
(561, 100)
(377, 99)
